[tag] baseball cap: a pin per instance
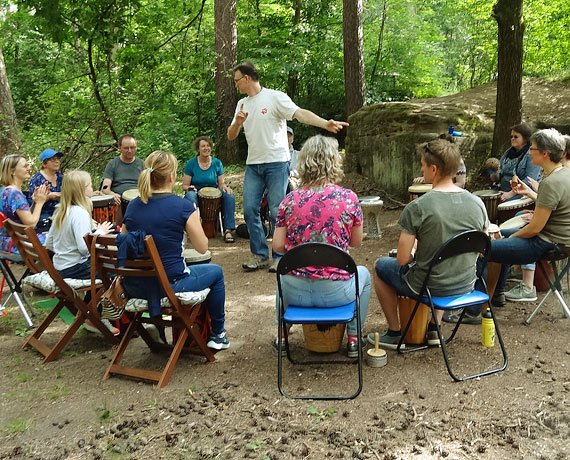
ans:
(49, 153)
(289, 130)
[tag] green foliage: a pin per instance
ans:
(319, 415)
(104, 414)
(18, 425)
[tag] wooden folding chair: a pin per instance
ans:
(187, 311)
(67, 292)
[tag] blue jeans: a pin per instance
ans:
(392, 273)
(273, 177)
(204, 276)
(306, 292)
(228, 207)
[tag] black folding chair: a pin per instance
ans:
(463, 243)
(553, 257)
(316, 254)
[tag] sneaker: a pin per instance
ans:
(255, 263)
(273, 266)
(469, 318)
(521, 294)
(498, 299)
(89, 326)
(431, 336)
(352, 348)
(219, 341)
(386, 341)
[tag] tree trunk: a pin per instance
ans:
(380, 43)
(226, 56)
(354, 87)
(9, 132)
(293, 77)
(508, 112)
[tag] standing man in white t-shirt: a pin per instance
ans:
(264, 114)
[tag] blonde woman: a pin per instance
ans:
(72, 220)
(323, 212)
(166, 216)
(14, 171)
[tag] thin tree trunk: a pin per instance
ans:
(9, 131)
(354, 86)
(508, 14)
(380, 44)
(226, 56)
(96, 93)
(293, 77)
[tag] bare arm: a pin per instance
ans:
(356, 236)
(196, 233)
(279, 239)
(309, 118)
(106, 189)
(222, 185)
(187, 183)
(39, 197)
(537, 223)
(406, 248)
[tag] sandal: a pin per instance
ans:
(228, 237)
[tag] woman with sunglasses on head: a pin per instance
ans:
(14, 171)
(516, 162)
(425, 224)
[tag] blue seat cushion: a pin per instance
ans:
(340, 314)
(459, 301)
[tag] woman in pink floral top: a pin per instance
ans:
(320, 211)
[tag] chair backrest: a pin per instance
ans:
(34, 254)
(105, 254)
(470, 241)
(317, 255)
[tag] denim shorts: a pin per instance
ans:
(392, 273)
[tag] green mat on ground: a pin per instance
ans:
(49, 304)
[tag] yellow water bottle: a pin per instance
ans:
(487, 329)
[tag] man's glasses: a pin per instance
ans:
(236, 81)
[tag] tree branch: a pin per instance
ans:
(198, 14)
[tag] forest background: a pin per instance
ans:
(82, 73)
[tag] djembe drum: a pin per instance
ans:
(210, 203)
(417, 332)
(103, 208)
(509, 209)
(418, 190)
(490, 199)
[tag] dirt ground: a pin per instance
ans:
(231, 409)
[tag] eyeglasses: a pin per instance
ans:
(236, 81)
(534, 148)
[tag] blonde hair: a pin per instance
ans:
(9, 163)
(319, 161)
(72, 194)
(159, 166)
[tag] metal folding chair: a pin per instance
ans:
(466, 242)
(316, 254)
(553, 257)
(15, 285)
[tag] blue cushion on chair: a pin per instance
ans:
(341, 314)
(459, 301)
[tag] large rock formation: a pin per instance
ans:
(382, 138)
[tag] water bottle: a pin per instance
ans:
(451, 129)
(457, 133)
(487, 329)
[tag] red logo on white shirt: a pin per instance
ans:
(263, 111)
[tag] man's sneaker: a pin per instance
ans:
(255, 263)
(218, 341)
(386, 341)
(498, 299)
(89, 326)
(469, 318)
(273, 266)
(521, 294)
(352, 348)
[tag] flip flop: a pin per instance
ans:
(228, 237)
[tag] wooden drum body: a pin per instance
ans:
(490, 199)
(417, 332)
(103, 208)
(508, 209)
(210, 203)
(418, 190)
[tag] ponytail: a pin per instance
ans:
(159, 165)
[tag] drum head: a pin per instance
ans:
(192, 257)
(487, 194)
(209, 192)
(513, 223)
(493, 228)
(370, 198)
(515, 204)
(99, 201)
(131, 194)
(420, 188)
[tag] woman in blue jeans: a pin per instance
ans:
(550, 224)
(165, 216)
(206, 171)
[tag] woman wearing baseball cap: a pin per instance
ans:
(49, 174)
